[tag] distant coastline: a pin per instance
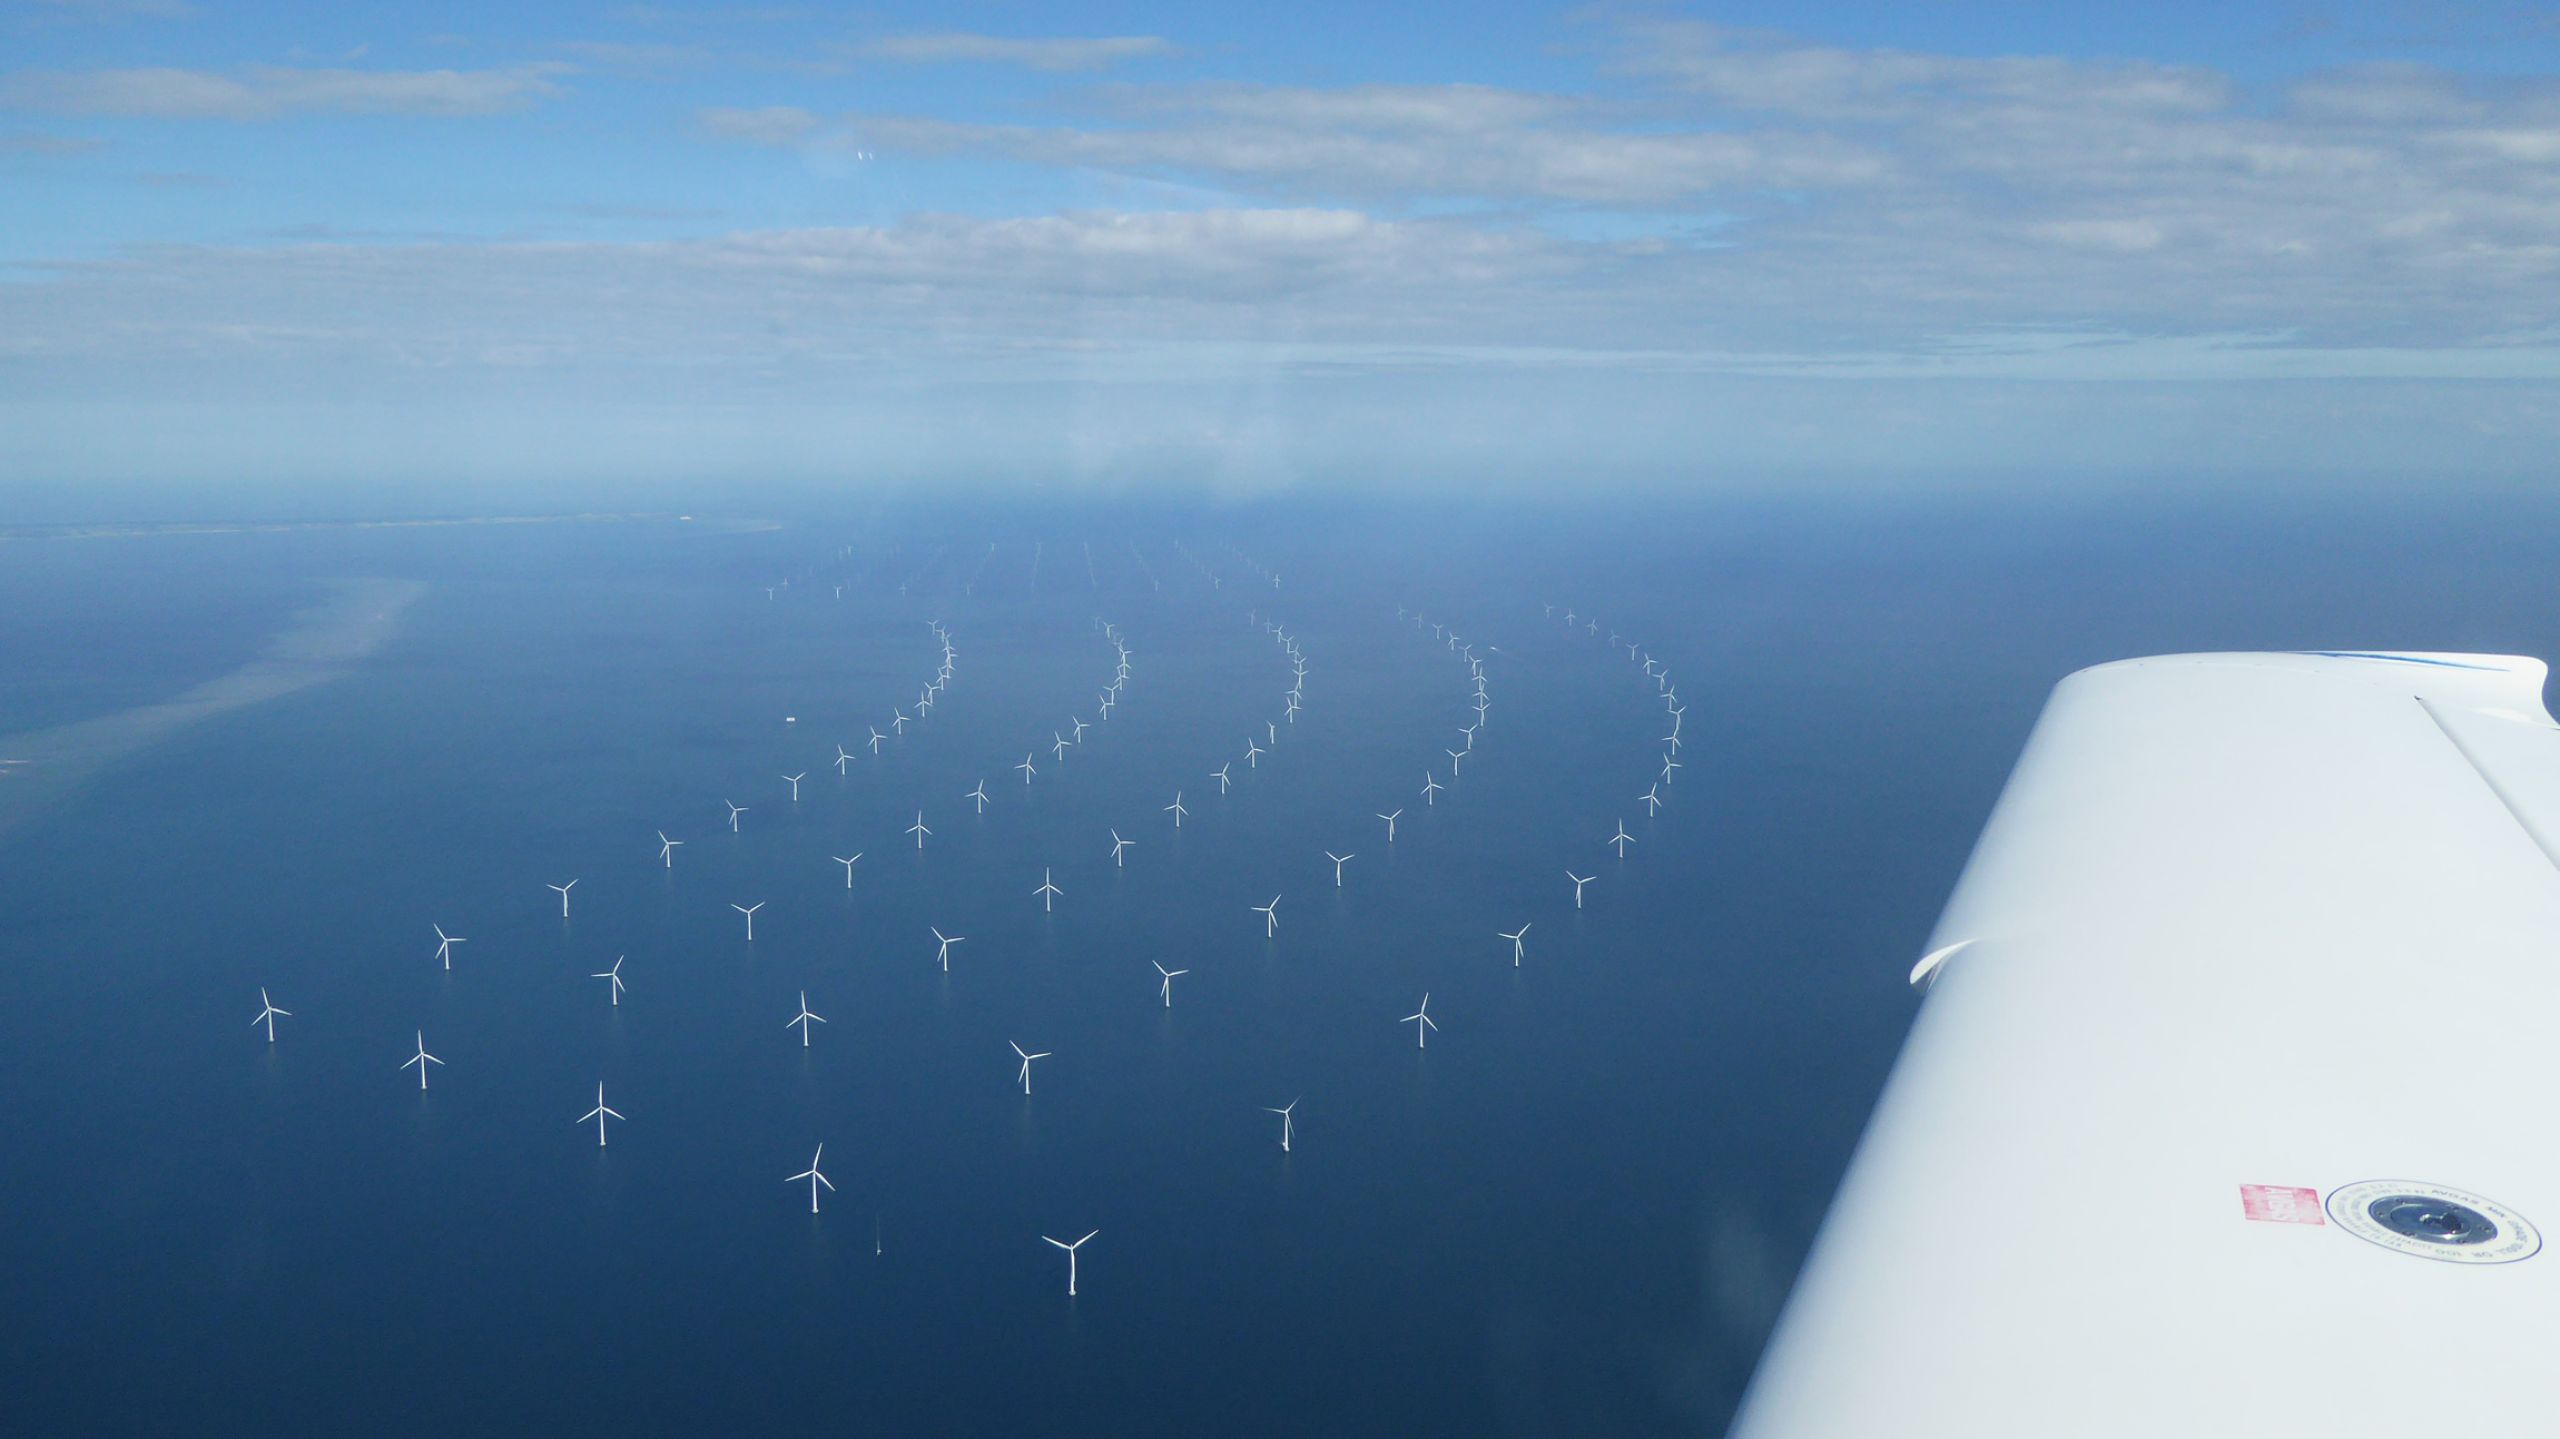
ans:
(107, 531)
(319, 642)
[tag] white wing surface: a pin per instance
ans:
(2245, 1024)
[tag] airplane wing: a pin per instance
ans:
(2234, 1114)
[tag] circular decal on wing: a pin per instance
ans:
(2433, 1221)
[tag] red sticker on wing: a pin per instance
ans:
(2281, 1204)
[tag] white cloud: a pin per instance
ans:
(1392, 144)
(1766, 207)
(2129, 236)
(1055, 54)
(927, 291)
(764, 125)
(1757, 71)
(115, 9)
(36, 143)
(263, 92)
(1880, 198)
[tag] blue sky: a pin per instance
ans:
(1113, 247)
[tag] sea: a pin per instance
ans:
(1575, 1211)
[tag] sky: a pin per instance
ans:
(361, 251)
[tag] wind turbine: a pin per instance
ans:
(804, 1019)
(1270, 916)
(1220, 775)
(1288, 1122)
(445, 943)
(1668, 765)
(948, 940)
(898, 721)
(1470, 733)
(1339, 860)
(1176, 810)
(1652, 801)
(1058, 747)
(876, 737)
(1118, 844)
(1252, 752)
(1047, 892)
(1026, 1064)
(564, 895)
(1391, 824)
(1430, 787)
(843, 758)
(1080, 728)
(1071, 1259)
(667, 849)
(749, 910)
(918, 830)
(1455, 757)
(735, 810)
(1621, 839)
(1518, 948)
(599, 1114)
(980, 795)
(794, 781)
(814, 1177)
(421, 1059)
(1025, 767)
(1423, 1015)
(1166, 988)
(268, 1014)
(848, 867)
(1579, 880)
(614, 977)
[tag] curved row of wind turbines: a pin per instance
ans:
(1047, 892)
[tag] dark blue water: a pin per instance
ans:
(1575, 1213)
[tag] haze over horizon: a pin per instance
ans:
(1139, 249)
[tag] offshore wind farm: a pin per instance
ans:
(1564, 720)
(449, 1031)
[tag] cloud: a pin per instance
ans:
(1814, 211)
(1796, 195)
(1758, 71)
(1585, 166)
(1377, 142)
(930, 291)
(765, 125)
(32, 143)
(1055, 54)
(266, 92)
(115, 9)
(638, 57)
